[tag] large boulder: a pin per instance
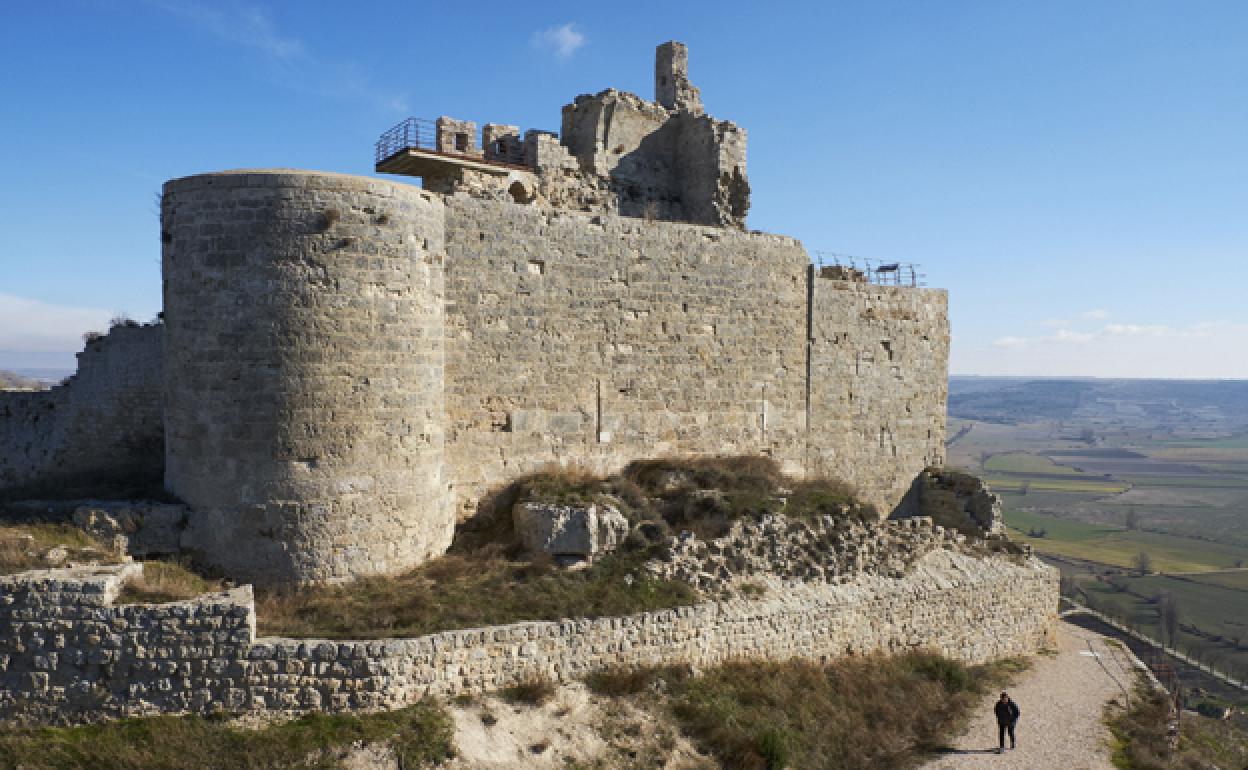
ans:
(569, 533)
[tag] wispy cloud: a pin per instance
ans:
(1095, 315)
(563, 40)
(1010, 342)
(291, 63)
(244, 25)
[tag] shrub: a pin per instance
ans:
(773, 749)
(633, 680)
(533, 691)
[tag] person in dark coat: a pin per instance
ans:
(1007, 714)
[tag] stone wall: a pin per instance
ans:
(353, 363)
(104, 422)
(69, 653)
(878, 385)
(304, 316)
(597, 340)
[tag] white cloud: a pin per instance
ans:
(1056, 322)
(1066, 335)
(29, 325)
(1095, 315)
(1136, 330)
(1201, 350)
(563, 40)
(292, 64)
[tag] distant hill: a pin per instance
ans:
(11, 381)
(1219, 403)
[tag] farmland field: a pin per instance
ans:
(1093, 473)
(1120, 547)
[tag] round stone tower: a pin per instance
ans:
(304, 328)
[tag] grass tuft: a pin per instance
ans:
(164, 581)
(534, 691)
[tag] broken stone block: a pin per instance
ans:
(570, 533)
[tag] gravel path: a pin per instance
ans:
(1062, 699)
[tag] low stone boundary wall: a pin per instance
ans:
(68, 653)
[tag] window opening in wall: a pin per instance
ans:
(461, 142)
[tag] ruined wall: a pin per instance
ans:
(68, 653)
(640, 160)
(304, 318)
(596, 340)
(104, 422)
(878, 384)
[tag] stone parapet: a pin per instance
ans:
(68, 653)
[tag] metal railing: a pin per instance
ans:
(422, 134)
(411, 134)
(876, 271)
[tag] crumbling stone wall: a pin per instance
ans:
(616, 153)
(879, 363)
(826, 548)
(104, 422)
(69, 653)
(304, 317)
(960, 501)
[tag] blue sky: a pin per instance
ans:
(1075, 173)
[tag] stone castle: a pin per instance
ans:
(348, 365)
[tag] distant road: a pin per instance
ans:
(961, 434)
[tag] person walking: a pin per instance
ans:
(1007, 714)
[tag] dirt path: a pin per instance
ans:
(1062, 699)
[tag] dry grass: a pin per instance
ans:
(25, 546)
(457, 591)
(873, 712)
(164, 581)
(421, 735)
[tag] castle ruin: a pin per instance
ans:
(347, 365)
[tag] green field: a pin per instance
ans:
(1238, 442)
(1072, 485)
(1213, 621)
(1120, 547)
(1235, 581)
(1025, 462)
(1193, 482)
